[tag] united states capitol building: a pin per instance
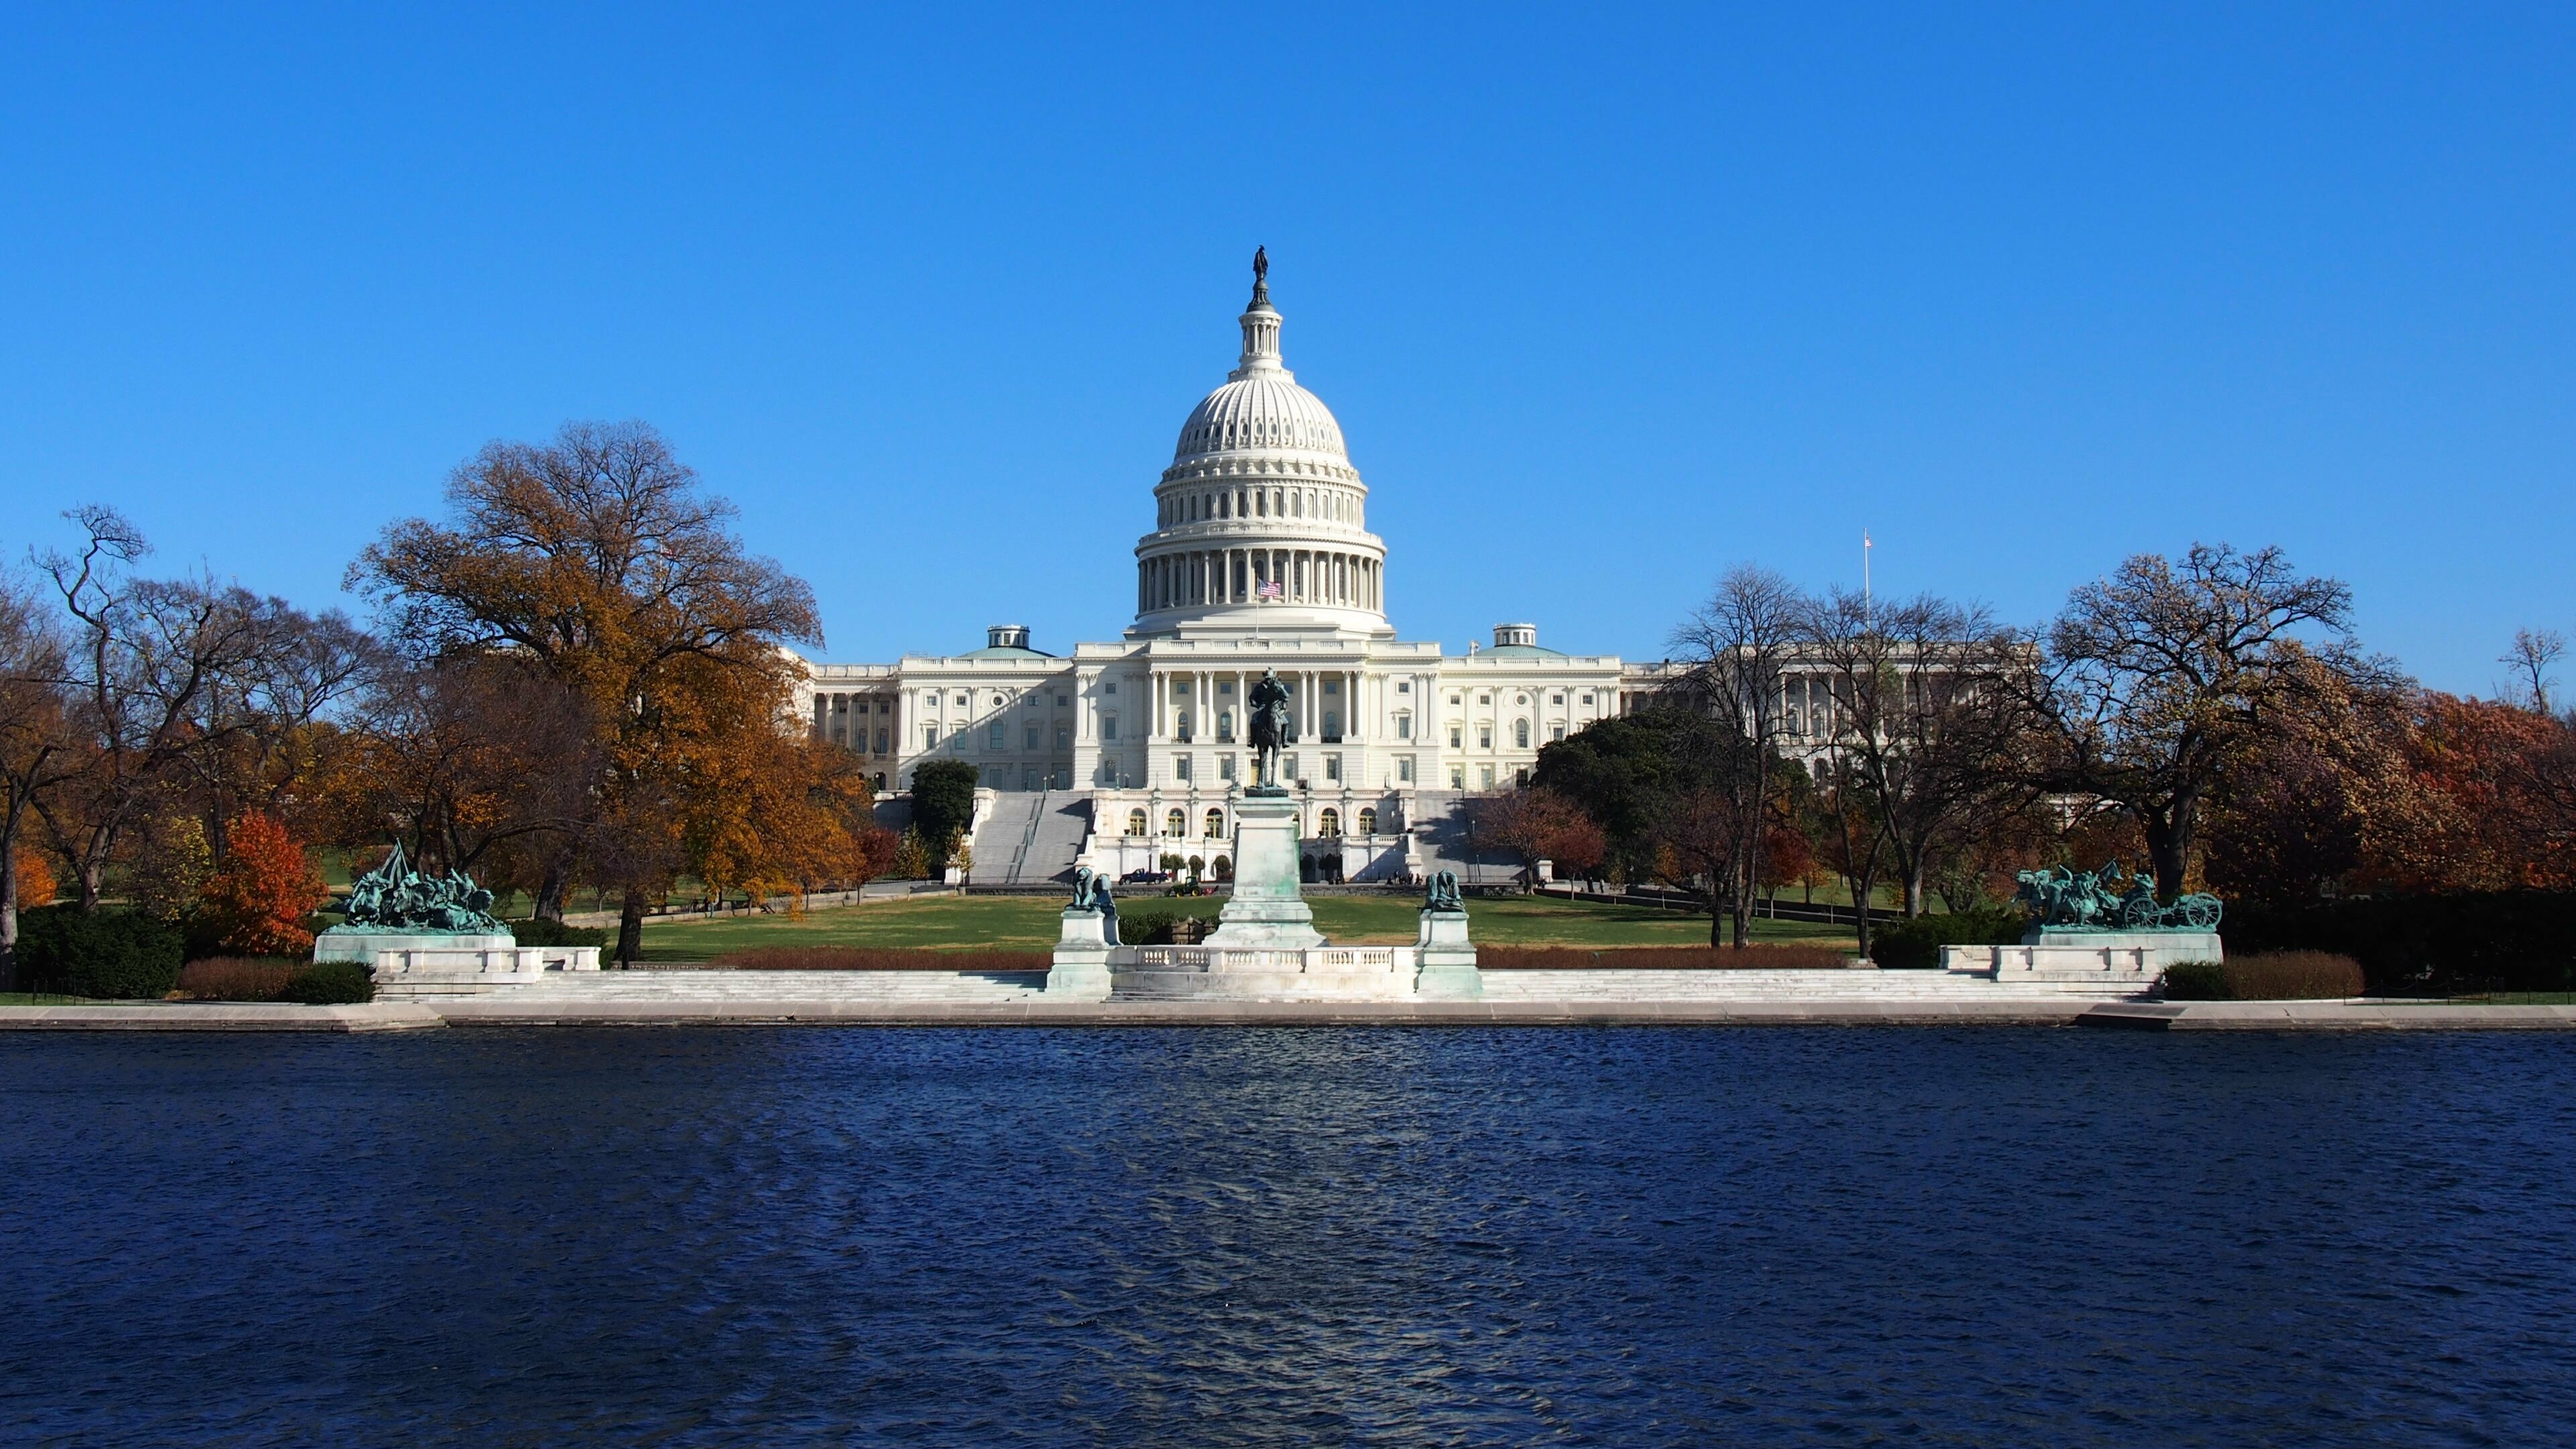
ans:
(1124, 752)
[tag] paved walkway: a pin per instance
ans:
(219, 1016)
(531, 1009)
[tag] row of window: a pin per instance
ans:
(997, 736)
(1253, 501)
(1000, 700)
(1485, 734)
(1484, 697)
(1176, 823)
(1182, 726)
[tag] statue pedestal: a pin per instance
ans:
(342, 944)
(1444, 961)
(1080, 971)
(1265, 911)
(2046, 958)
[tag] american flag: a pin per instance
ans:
(1269, 589)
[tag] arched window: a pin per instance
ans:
(1368, 822)
(1520, 733)
(1225, 724)
(1216, 824)
(1175, 823)
(1331, 827)
(1135, 822)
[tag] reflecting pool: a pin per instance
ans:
(1201, 1237)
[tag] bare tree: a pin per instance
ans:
(2155, 676)
(482, 762)
(2534, 653)
(1734, 646)
(145, 661)
(1925, 716)
(1853, 836)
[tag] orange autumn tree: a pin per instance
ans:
(36, 883)
(596, 561)
(784, 814)
(257, 900)
(2468, 819)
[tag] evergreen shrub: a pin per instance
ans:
(880, 958)
(1155, 925)
(556, 933)
(1762, 956)
(103, 955)
(330, 983)
(2196, 981)
(1915, 944)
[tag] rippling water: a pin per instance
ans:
(1618, 1237)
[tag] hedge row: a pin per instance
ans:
(1663, 958)
(880, 958)
(1915, 944)
(556, 933)
(2486, 941)
(103, 955)
(1156, 925)
(2266, 976)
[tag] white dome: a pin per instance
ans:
(1266, 413)
(1261, 522)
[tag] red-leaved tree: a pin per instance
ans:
(258, 898)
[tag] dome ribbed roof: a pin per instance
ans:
(1266, 413)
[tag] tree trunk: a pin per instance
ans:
(1750, 872)
(1716, 913)
(2168, 834)
(1914, 889)
(1862, 887)
(551, 889)
(9, 912)
(630, 926)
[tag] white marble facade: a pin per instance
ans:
(1260, 559)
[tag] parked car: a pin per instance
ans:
(1145, 877)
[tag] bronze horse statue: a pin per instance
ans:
(1269, 728)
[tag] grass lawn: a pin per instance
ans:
(41, 998)
(1030, 923)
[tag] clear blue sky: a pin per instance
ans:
(1606, 301)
